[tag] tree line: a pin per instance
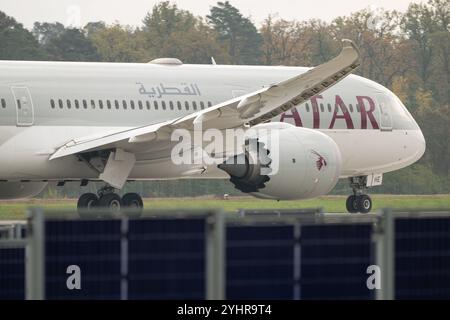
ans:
(408, 52)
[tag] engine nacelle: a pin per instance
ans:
(18, 189)
(285, 162)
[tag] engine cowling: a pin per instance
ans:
(284, 162)
(18, 190)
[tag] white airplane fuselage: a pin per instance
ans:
(45, 105)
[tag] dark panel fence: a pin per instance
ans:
(202, 255)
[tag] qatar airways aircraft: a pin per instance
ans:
(113, 122)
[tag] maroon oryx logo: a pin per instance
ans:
(321, 162)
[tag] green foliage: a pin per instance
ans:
(17, 43)
(65, 44)
(115, 43)
(239, 33)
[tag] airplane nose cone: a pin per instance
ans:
(418, 143)
(422, 143)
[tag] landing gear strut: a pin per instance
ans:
(110, 202)
(358, 202)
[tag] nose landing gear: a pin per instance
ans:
(109, 202)
(358, 202)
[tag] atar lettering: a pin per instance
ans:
(341, 112)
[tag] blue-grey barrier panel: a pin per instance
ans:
(94, 246)
(422, 258)
(259, 262)
(334, 260)
(12, 273)
(167, 259)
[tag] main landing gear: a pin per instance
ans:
(358, 202)
(109, 202)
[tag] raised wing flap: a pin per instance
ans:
(251, 109)
(298, 89)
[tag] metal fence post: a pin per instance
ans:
(215, 256)
(34, 253)
(124, 257)
(384, 236)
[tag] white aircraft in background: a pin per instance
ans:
(112, 122)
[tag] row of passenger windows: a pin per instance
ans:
(109, 104)
(85, 104)
(77, 104)
(329, 107)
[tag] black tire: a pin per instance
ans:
(352, 204)
(86, 204)
(132, 204)
(87, 201)
(364, 203)
(110, 202)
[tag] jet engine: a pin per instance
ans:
(283, 162)
(18, 189)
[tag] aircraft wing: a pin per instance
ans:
(250, 109)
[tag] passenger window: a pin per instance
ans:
(140, 104)
(100, 103)
(108, 104)
(61, 105)
(116, 104)
(155, 104)
(329, 107)
(124, 103)
(322, 108)
(186, 105)
(19, 105)
(68, 104)
(179, 105)
(194, 104)
(163, 103)
(351, 107)
(77, 104)
(209, 104)
(52, 103)
(93, 104)
(307, 107)
(357, 107)
(171, 105)
(202, 105)
(132, 104)
(147, 103)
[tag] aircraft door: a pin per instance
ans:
(384, 112)
(24, 106)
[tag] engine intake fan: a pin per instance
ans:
(249, 170)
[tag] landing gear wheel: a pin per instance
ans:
(364, 203)
(351, 204)
(133, 205)
(86, 203)
(110, 202)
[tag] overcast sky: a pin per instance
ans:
(131, 12)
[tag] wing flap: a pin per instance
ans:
(250, 109)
